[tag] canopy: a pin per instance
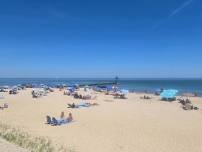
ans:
(169, 94)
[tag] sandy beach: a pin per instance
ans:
(7, 147)
(121, 125)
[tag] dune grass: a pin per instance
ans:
(24, 140)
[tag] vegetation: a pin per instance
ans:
(24, 140)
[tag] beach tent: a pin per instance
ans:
(169, 95)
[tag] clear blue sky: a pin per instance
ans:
(91, 38)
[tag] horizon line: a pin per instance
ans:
(100, 77)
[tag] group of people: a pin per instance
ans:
(5, 105)
(187, 105)
(76, 95)
(62, 120)
(145, 97)
(84, 97)
(119, 96)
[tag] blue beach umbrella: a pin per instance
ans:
(169, 94)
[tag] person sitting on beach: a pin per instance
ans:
(67, 92)
(64, 120)
(86, 97)
(5, 105)
(69, 118)
(62, 115)
(2, 108)
(77, 96)
(184, 101)
(145, 97)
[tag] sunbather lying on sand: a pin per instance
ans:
(189, 106)
(82, 104)
(62, 115)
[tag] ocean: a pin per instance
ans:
(183, 85)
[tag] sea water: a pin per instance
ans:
(183, 85)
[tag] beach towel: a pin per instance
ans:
(80, 105)
(56, 122)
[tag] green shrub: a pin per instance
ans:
(24, 140)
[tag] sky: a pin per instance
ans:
(101, 38)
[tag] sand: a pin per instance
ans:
(121, 125)
(8, 147)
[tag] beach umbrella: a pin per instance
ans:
(124, 91)
(169, 94)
